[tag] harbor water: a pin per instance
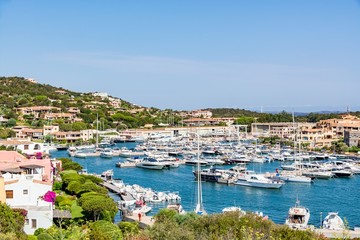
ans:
(340, 195)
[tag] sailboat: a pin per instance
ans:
(297, 176)
(199, 209)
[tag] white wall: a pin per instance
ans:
(42, 215)
(35, 190)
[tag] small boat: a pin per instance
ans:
(107, 175)
(141, 207)
(80, 155)
(298, 216)
(227, 178)
(177, 207)
(106, 153)
(233, 209)
(333, 221)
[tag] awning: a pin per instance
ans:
(31, 166)
(12, 170)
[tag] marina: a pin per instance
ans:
(322, 196)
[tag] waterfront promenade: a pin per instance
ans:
(146, 221)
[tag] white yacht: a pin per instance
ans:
(298, 216)
(80, 154)
(294, 177)
(257, 180)
(150, 163)
(318, 174)
(333, 221)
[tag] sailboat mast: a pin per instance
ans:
(97, 130)
(199, 207)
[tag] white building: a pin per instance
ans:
(103, 95)
(23, 183)
(25, 191)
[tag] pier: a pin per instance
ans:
(117, 190)
(339, 234)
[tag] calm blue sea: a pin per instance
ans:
(340, 195)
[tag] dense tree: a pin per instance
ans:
(170, 225)
(68, 164)
(105, 230)
(97, 206)
(6, 133)
(11, 222)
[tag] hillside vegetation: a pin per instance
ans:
(16, 92)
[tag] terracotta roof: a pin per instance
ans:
(14, 142)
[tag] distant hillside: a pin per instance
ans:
(232, 112)
(18, 86)
(16, 92)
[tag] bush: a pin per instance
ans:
(105, 230)
(44, 236)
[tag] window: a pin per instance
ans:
(33, 223)
(26, 147)
(26, 221)
(25, 192)
(9, 194)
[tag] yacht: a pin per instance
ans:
(257, 180)
(333, 221)
(194, 162)
(150, 163)
(294, 177)
(298, 216)
(341, 173)
(208, 175)
(318, 174)
(80, 155)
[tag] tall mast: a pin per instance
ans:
(97, 130)
(199, 206)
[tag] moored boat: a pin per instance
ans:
(333, 221)
(298, 216)
(259, 181)
(150, 163)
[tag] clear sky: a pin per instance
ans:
(300, 55)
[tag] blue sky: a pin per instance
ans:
(299, 55)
